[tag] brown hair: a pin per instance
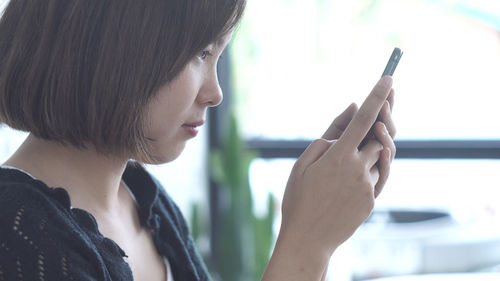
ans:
(82, 71)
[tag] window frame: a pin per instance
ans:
(406, 149)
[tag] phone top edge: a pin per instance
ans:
(393, 62)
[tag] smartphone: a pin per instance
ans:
(393, 62)
(389, 70)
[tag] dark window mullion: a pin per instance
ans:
(424, 149)
(217, 125)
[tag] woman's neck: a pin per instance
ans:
(92, 180)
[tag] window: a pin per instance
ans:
(296, 64)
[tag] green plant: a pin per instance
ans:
(243, 241)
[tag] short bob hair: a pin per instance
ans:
(82, 71)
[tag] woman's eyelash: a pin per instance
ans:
(204, 54)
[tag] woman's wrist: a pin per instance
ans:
(292, 259)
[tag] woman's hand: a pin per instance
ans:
(332, 188)
(384, 125)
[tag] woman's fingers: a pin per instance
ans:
(377, 158)
(374, 175)
(386, 155)
(370, 153)
(383, 135)
(384, 167)
(312, 153)
(390, 99)
(340, 123)
(360, 125)
(385, 117)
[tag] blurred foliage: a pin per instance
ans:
(243, 242)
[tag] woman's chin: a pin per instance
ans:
(162, 156)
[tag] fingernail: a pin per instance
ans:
(386, 81)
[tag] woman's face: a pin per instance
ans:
(179, 109)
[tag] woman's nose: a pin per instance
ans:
(211, 92)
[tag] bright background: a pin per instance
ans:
(297, 64)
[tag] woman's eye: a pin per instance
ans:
(204, 54)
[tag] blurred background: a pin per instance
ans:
(292, 67)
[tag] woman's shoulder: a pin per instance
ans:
(22, 194)
(42, 236)
(29, 209)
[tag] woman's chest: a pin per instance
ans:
(141, 253)
(144, 260)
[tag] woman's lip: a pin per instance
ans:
(195, 124)
(192, 131)
(192, 128)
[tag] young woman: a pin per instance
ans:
(106, 85)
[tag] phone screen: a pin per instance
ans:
(393, 62)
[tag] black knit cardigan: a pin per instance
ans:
(43, 238)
